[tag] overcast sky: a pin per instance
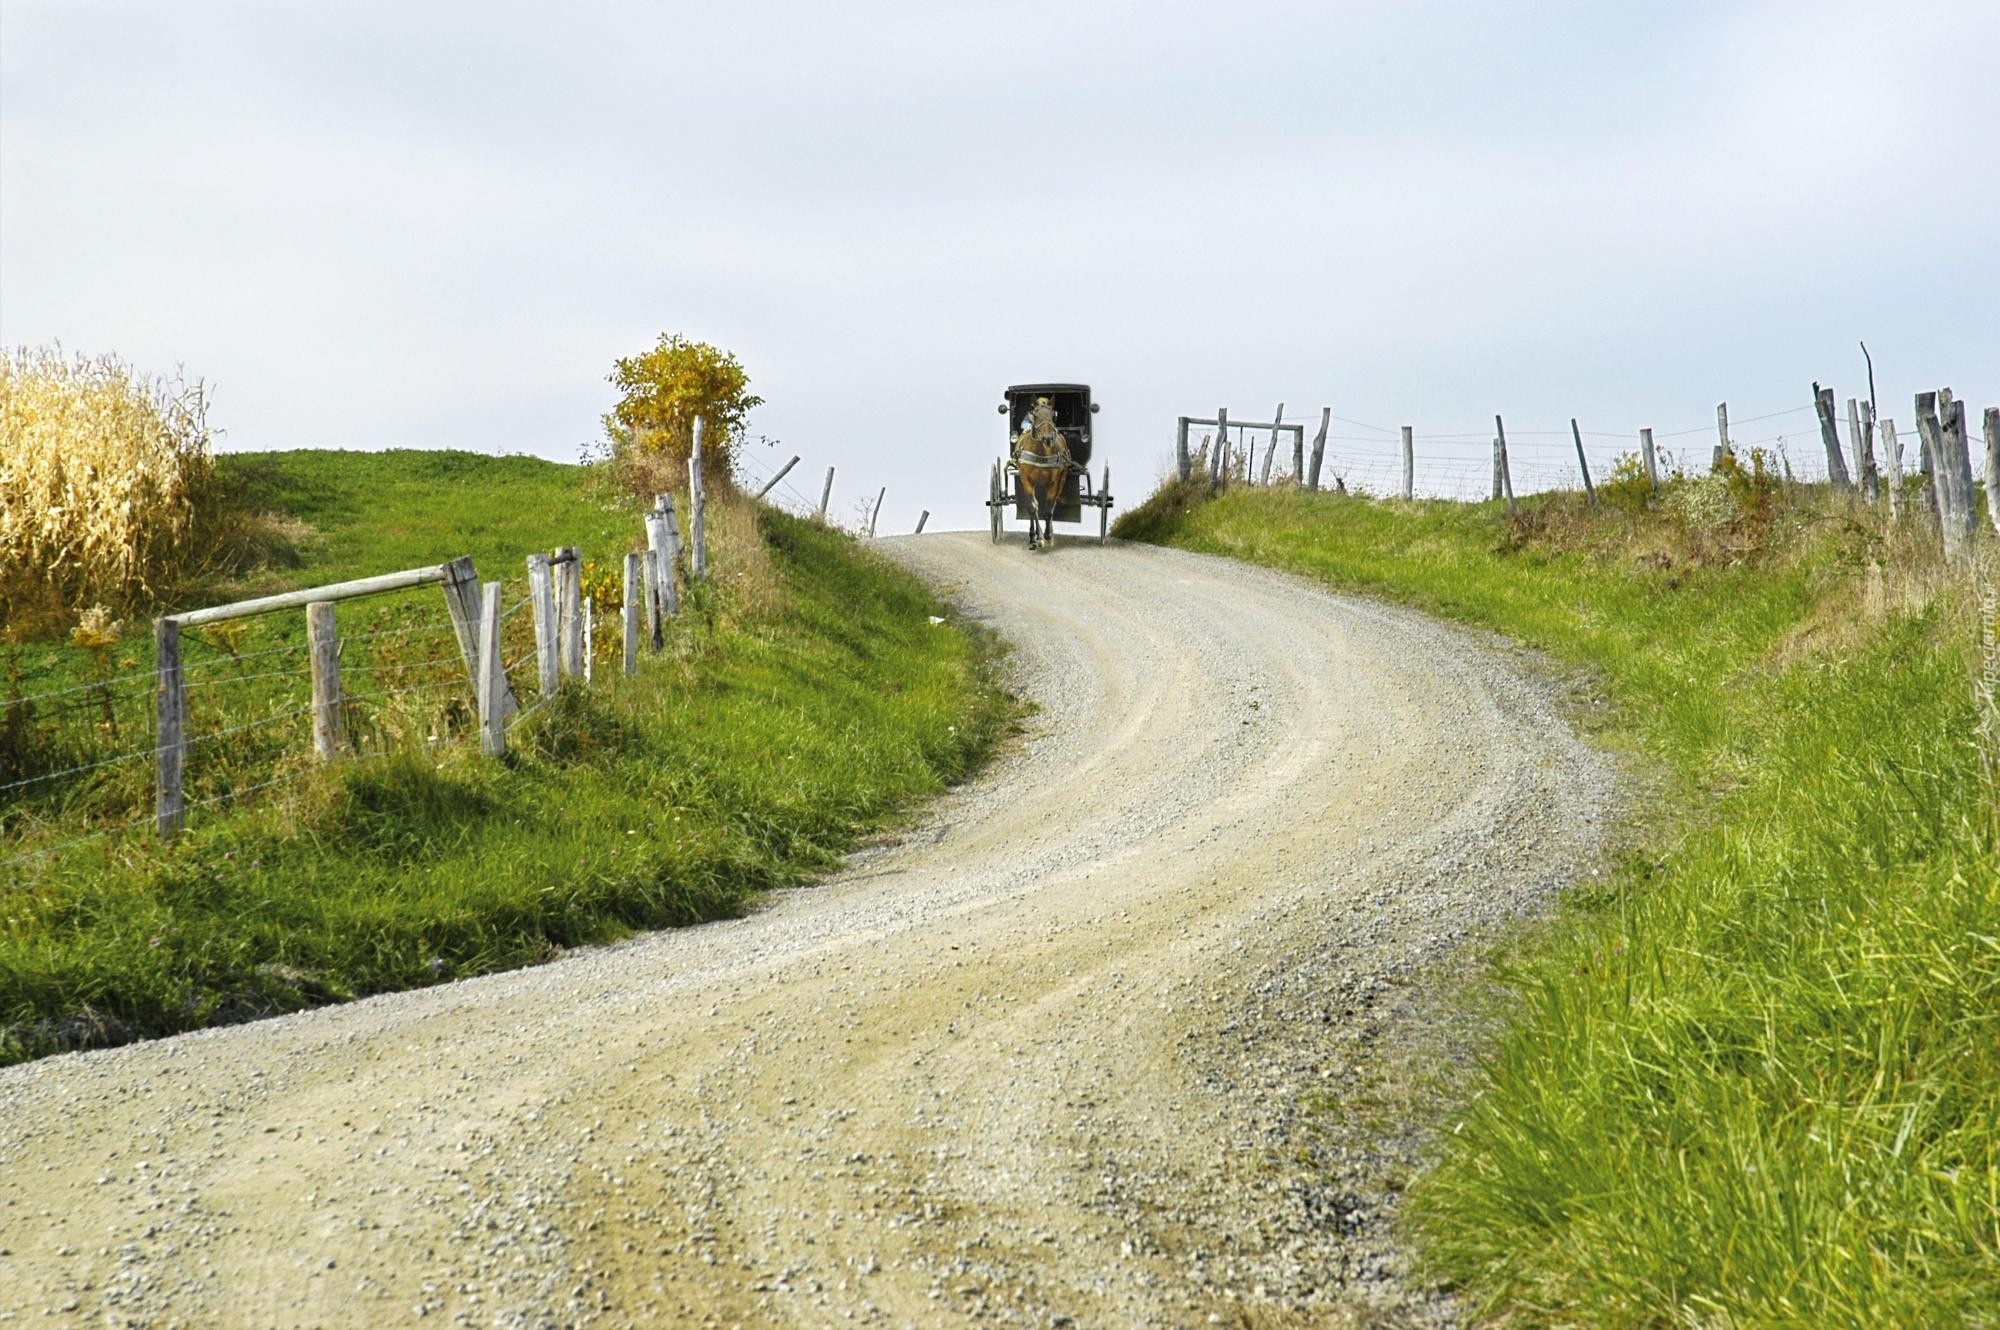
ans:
(377, 225)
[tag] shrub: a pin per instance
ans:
(107, 488)
(650, 432)
(1627, 489)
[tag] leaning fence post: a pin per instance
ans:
(922, 518)
(1506, 473)
(492, 691)
(1319, 448)
(1182, 466)
(1647, 455)
(825, 493)
(876, 511)
(1722, 447)
(461, 601)
(1409, 463)
(323, 640)
(541, 588)
(1829, 436)
(170, 716)
(1583, 463)
(783, 471)
(697, 511)
(634, 584)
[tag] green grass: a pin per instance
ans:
(1755, 1078)
(792, 715)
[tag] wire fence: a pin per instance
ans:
(1460, 466)
(84, 753)
(246, 699)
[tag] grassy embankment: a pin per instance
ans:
(804, 698)
(1755, 1079)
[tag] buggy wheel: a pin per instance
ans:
(993, 501)
(1104, 504)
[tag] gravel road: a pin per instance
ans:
(1045, 1058)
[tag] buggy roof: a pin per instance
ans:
(1018, 389)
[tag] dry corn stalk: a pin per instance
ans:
(105, 478)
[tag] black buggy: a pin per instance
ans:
(1073, 411)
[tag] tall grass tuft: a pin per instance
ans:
(106, 484)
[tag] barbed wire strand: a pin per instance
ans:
(95, 685)
(72, 771)
(99, 834)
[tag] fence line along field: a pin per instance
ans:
(341, 838)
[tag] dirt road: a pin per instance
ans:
(1040, 1061)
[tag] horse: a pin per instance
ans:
(1042, 462)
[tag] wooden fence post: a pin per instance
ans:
(170, 733)
(461, 601)
(1409, 463)
(1941, 422)
(567, 566)
(1506, 472)
(1864, 453)
(1829, 435)
(1218, 461)
(1992, 427)
(922, 518)
(783, 471)
(1892, 453)
(323, 640)
(1722, 447)
(826, 492)
(697, 511)
(1935, 495)
(1319, 447)
(670, 558)
(635, 584)
(1652, 462)
(1496, 467)
(541, 588)
(1272, 451)
(1583, 463)
(1958, 459)
(1182, 464)
(663, 556)
(876, 511)
(656, 629)
(1277, 418)
(492, 689)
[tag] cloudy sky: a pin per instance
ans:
(376, 225)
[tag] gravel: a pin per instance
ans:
(1102, 1038)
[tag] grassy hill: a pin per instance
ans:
(804, 699)
(1753, 1077)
